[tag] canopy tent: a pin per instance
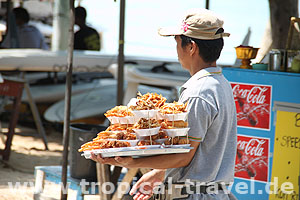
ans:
(66, 133)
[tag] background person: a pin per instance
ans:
(27, 36)
(211, 119)
(86, 38)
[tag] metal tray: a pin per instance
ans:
(131, 151)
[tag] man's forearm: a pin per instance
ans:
(165, 161)
(160, 162)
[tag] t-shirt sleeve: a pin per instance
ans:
(44, 45)
(6, 41)
(200, 118)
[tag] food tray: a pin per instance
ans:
(131, 142)
(144, 114)
(122, 120)
(146, 132)
(148, 147)
(177, 146)
(176, 132)
(132, 151)
(173, 117)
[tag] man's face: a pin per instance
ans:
(182, 53)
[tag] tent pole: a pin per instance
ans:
(64, 188)
(60, 25)
(120, 91)
(8, 8)
(207, 4)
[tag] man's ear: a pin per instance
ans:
(193, 48)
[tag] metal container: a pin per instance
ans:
(290, 55)
(80, 167)
(276, 60)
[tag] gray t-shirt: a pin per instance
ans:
(212, 122)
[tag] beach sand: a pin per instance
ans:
(28, 152)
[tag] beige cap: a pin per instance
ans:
(197, 23)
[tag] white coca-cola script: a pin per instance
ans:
(254, 95)
(252, 147)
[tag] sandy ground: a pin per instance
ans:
(28, 152)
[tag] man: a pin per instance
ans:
(86, 38)
(27, 36)
(211, 118)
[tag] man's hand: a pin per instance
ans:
(145, 185)
(117, 161)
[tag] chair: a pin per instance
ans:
(293, 44)
(13, 88)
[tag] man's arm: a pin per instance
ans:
(154, 162)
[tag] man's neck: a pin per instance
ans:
(202, 65)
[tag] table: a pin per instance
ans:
(56, 61)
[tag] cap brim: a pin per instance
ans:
(170, 31)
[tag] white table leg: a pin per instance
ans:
(36, 115)
(130, 92)
(39, 184)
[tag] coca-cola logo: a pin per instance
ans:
(253, 95)
(253, 105)
(252, 158)
(252, 147)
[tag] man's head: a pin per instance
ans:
(209, 50)
(203, 28)
(21, 15)
(80, 15)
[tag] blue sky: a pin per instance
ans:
(144, 17)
